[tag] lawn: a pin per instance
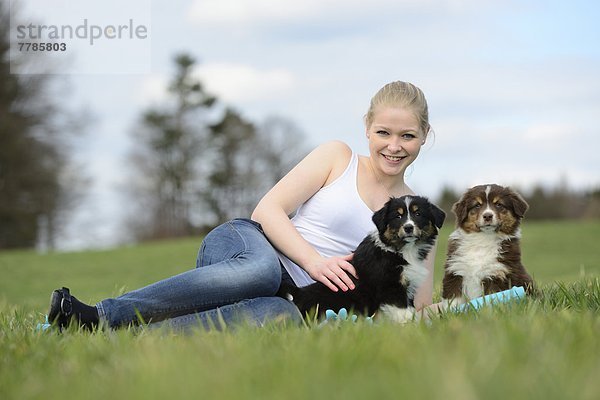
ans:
(538, 348)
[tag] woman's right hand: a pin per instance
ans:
(333, 272)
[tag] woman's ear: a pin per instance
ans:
(426, 135)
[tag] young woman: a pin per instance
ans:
(241, 263)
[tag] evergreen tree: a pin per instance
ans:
(165, 162)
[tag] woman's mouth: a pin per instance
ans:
(393, 159)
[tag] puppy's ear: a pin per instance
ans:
(519, 205)
(438, 215)
(460, 210)
(379, 216)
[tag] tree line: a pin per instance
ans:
(545, 203)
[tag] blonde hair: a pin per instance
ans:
(401, 94)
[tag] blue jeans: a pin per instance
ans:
(236, 277)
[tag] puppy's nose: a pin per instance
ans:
(408, 229)
(488, 216)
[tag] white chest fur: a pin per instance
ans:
(415, 272)
(413, 275)
(476, 258)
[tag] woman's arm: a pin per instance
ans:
(300, 184)
(424, 295)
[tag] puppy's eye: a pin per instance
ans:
(500, 206)
(418, 213)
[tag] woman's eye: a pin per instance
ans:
(382, 133)
(409, 136)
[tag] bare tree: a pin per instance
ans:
(247, 161)
(284, 145)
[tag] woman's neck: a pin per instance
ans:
(394, 185)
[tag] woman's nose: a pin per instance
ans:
(394, 145)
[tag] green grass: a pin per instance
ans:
(545, 348)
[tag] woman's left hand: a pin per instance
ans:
(334, 272)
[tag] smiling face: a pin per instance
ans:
(395, 139)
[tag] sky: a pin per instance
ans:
(513, 86)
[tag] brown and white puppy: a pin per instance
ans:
(484, 253)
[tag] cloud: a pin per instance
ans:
(245, 12)
(153, 89)
(550, 136)
(239, 82)
(256, 12)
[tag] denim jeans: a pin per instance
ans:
(236, 277)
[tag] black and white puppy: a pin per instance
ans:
(389, 263)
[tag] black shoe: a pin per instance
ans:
(61, 308)
(65, 308)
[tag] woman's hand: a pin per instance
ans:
(333, 272)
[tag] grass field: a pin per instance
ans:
(539, 348)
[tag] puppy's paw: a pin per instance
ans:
(451, 304)
(399, 315)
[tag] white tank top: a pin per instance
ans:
(334, 221)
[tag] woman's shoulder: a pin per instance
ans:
(335, 148)
(335, 153)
